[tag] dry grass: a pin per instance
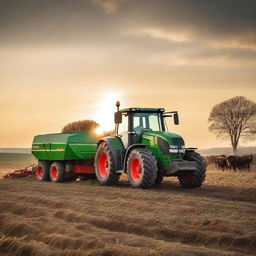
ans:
(83, 218)
(245, 179)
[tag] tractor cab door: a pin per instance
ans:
(123, 129)
(139, 122)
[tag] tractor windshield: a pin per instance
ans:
(147, 122)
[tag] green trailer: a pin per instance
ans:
(72, 152)
(142, 147)
(65, 146)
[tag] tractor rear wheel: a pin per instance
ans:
(105, 169)
(141, 168)
(194, 178)
(57, 172)
(42, 171)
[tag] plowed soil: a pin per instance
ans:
(84, 218)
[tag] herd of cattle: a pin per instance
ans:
(223, 162)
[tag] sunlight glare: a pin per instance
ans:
(99, 130)
(106, 109)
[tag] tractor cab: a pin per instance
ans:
(132, 123)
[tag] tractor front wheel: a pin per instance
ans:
(141, 168)
(57, 172)
(105, 169)
(194, 178)
(42, 171)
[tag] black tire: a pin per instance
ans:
(159, 179)
(194, 178)
(104, 164)
(141, 168)
(42, 171)
(87, 176)
(57, 172)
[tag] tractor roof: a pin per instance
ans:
(143, 110)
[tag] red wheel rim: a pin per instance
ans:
(136, 169)
(54, 172)
(103, 165)
(39, 172)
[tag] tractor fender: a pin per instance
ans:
(117, 149)
(129, 149)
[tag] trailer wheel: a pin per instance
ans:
(105, 169)
(194, 178)
(57, 172)
(42, 171)
(141, 168)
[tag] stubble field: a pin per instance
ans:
(83, 218)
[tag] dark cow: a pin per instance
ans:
(240, 162)
(222, 163)
(219, 163)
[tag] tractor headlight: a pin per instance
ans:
(173, 149)
(182, 150)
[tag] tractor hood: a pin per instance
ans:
(171, 138)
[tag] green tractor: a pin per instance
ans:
(144, 149)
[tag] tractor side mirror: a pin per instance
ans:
(176, 118)
(118, 117)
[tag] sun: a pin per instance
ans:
(99, 130)
(106, 109)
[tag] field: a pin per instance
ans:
(83, 218)
(10, 161)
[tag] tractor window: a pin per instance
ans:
(146, 121)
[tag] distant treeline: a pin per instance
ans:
(227, 151)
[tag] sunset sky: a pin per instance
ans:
(64, 60)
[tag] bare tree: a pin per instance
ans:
(80, 126)
(232, 119)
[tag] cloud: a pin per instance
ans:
(226, 23)
(160, 34)
(245, 40)
(223, 23)
(109, 6)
